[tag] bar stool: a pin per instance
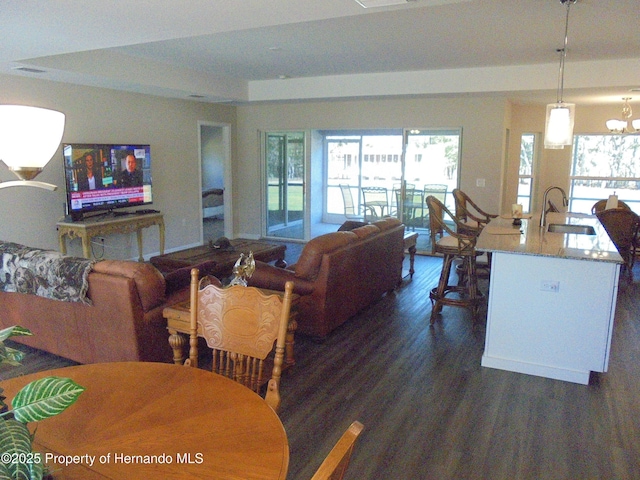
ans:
(473, 220)
(453, 246)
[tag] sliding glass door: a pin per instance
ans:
(284, 164)
(425, 162)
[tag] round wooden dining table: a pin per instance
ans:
(138, 420)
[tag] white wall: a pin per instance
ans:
(29, 215)
(482, 121)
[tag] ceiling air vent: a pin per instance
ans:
(29, 70)
(381, 3)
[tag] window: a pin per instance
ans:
(525, 173)
(603, 165)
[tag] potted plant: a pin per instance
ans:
(36, 401)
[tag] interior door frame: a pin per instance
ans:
(228, 183)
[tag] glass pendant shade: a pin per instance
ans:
(29, 137)
(616, 126)
(559, 125)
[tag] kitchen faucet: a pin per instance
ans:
(543, 215)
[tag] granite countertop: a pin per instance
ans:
(529, 239)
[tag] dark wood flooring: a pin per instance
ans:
(432, 412)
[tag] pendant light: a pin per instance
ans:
(29, 137)
(560, 117)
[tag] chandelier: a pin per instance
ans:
(622, 125)
(558, 131)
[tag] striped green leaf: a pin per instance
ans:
(15, 439)
(45, 398)
(5, 474)
(14, 331)
(10, 356)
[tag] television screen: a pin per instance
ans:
(106, 177)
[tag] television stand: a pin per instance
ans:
(98, 227)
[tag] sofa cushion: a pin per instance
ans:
(366, 231)
(45, 273)
(387, 223)
(309, 262)
(351, 225)
(148, 279)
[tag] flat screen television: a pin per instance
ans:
(104, 177)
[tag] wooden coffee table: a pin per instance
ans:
(224, 259)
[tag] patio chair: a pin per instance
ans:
(376, 203)
(350, 209)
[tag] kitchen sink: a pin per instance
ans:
(567, 228)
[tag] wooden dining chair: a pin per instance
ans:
(240, 325)
(335, 464)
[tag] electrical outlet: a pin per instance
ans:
(550, 286)
(480, 182)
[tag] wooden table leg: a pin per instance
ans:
(161, 235)
(412, 258)
(86, 246)
(139, 235)
(63, 243)
(177, 341)
(289, 358)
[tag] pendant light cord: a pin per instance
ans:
(563, 52)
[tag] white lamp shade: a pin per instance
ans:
(616, 125)
(636, 124)
(559, 125)
(29, 136)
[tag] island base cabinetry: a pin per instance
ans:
(551, 317)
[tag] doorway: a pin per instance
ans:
(215, 168)
(284, 177)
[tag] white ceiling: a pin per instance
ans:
(238, 50)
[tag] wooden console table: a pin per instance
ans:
(179, 323)
(89, 228)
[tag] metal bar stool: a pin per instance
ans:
(452, 246)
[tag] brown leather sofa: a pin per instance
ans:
(339, 274)
(124, 322)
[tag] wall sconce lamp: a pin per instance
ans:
(558, 131)
(622, 126)
(29, 137)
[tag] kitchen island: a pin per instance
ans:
(552, 297)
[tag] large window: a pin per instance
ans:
(604, 165)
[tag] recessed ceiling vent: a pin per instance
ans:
(381, 3)
(29, 70)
